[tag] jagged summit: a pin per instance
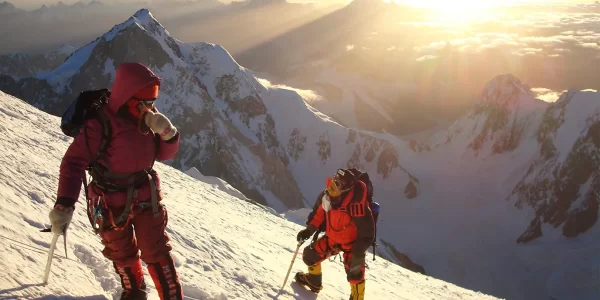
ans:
(6, 4)
(143, 38)
(7, 8)
(507, 91)
(506, 113)
(144, 16)
(143, 19)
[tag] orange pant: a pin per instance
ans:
(324, 248)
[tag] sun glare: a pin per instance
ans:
(453, 6)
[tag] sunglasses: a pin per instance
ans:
(145, 102)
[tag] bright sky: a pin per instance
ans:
(458, 4)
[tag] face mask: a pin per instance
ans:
(332, 187)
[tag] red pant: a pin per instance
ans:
(325, 248)
(144, 233)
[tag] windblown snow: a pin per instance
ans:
(224, 248)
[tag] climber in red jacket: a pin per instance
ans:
(124, 182)
(343, 212)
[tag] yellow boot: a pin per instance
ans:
(357, 291)
(312, 279)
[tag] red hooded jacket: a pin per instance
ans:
(129, 149)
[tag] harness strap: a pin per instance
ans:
(131, 193)
(106, 136)
(153, 196)
(106, 175)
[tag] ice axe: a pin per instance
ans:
(51, 250)
(291, 264)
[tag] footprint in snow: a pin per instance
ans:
(33, 223)
(35, 196)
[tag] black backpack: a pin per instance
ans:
(88, 105)
(364, 177)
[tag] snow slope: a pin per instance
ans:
(224, 248)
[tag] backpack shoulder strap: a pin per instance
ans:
(359, 191)
(105, 139)
(356, 207)
(106, 131)
(318, 203)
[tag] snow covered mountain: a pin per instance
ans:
(223, 247)
(29, 64)
(263, 140)
(8, 8)
(562, 183)
(506, 113)
(513, 170)
(555, 141)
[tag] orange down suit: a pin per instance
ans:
(349, 228)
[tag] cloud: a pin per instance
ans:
(546, 94)
(425, 58)
(585, 32)
(541, 90)
(570, 38)
(528, 51)
(562, 50)
(533, 50)
(427, 24)
(517, 53)
(349, 47)
(478, 43)
(561, 33)
(544, 40)
(432, 46)
(568, 23)
(590, 45)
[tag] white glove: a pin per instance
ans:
(160, 124)
(60, 218)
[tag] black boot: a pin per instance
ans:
(132, 281)
(312, 279)
(135, 294)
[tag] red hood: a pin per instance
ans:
(130, 78)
